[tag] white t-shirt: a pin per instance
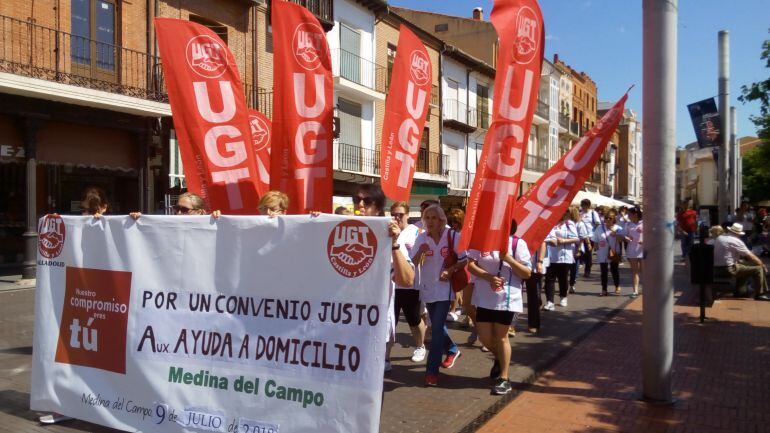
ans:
(563, 253)
(728, 249)
(430, 287)
(591, 218)
(504, 299)
(407, 239)
(604, 241)
(392, 293)
(633, 232)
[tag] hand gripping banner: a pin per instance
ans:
(261, 134)
(210, 117)
(519, 25)
(543, 205)
(301, 159)
(405, 111)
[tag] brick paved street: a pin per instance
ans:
(460, 403)
(721, 377)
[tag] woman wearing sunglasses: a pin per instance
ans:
(188, 204)
(369, 200)
(607, 237)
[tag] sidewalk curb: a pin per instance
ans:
(538, 370)
(12, 286)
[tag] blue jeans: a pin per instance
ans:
(440, 342)
(687, 241)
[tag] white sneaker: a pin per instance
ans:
(563, 302)
(451, 317)
(549, 306)
(419, 354)
(53, 418)
(388, 366)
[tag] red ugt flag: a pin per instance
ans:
(519, 25)
(405, 111)
(301, 158)
(210, 117)
(261, 133)
(542, 206)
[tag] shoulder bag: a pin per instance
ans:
(459, 278)
(612, 255)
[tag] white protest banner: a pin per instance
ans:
(189, 324)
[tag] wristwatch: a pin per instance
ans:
(396, 247)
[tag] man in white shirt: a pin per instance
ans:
(591, 219)
(728, 250)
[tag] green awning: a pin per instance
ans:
(429, 189)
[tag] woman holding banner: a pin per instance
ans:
(633, 235)
(498, 296)
(561, 255)
(369, 200)
(430, 249)
(607, 237)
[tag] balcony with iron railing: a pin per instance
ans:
(432, 162)
(260, 99)
(322, 9)
(542, 109)
(536, 163)
(358, 70)
(563, 121)
(35, 51)
(353, 158)
(460, 179)
(574, 129)
(457, 116)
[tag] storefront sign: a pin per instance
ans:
(10, 152)
(173, 324)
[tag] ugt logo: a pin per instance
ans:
(351, 248)
(94, 319)
(309, 46)
(51, 236)
(419, 68)
(206, 56)
(260, 132)
(527, 36)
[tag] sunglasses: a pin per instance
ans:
(367, 200)
(397, 215)
(182, 210)
(271, 211)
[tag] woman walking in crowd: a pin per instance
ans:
(534, 285)
(434, 286)
(369, 200)
(408, 298)
(591, 219)
(561, 256)
(581, 247)
(498, 297)
(455, 219)
(607, 239)
(634, 251)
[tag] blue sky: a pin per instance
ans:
(604, 39)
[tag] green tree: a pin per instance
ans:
(756, 163)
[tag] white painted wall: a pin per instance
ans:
(359, 18)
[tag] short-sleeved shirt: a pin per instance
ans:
(604, 241)
(728, 249)
(430, 287)
(563, 253)
(591, 219)
(484, 295)
(392, 292)
(633, 232)
(688, 221)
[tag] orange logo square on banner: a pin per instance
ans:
(94, 320)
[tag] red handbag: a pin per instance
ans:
(460, 278)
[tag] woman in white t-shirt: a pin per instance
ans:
(634, 251)
(430, 249)
(497, 297)
(607, 236)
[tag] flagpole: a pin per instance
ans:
(659, 114)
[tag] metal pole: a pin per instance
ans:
(735, 152)
(659, 148)
(723, 192)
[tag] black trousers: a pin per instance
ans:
(533, 300)
(588, 261)
(556, 271)
(573, 270)
(613, 267)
